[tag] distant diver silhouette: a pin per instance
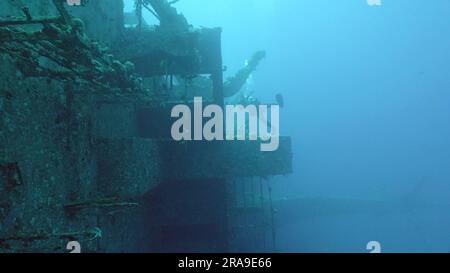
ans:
(280, 100)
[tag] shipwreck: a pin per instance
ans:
(85, 148)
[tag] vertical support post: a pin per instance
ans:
(261, 192)
(217, 74)
(272, 216)
(139, 14)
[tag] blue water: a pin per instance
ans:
(367, 94)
